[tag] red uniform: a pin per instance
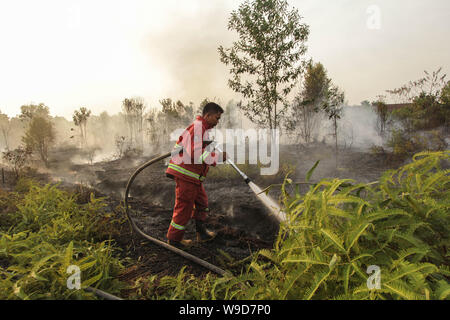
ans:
(189, 168)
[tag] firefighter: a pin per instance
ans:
(189, 168)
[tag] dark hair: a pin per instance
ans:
(212, 107)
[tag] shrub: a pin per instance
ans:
(337, 230)
(404, 144)
(47, 232)
(17, 159)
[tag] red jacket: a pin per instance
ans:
(192, 164)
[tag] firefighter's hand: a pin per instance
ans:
(224, 156)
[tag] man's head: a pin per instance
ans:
(211, 113)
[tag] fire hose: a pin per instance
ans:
(154, 240)
(263, 197)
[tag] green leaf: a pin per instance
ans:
(411, 269)
(309, 293)
(42, 261)
(443, 290)
(361, 256)
(402, 290)
(87, 265)
(433, 179)
(333, 238)
(383, 214)
(355, 234)
(310, 171)
(346, 275)
(92, 280)
(304, 260)
(68, 255)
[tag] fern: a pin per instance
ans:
(401, 290)
(319, 279)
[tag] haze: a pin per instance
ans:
(69, 54)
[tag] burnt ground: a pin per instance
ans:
(241, 222)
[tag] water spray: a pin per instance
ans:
(263, 197)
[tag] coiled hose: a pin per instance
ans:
(159, 242)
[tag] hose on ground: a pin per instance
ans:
(102, 294)
(96, 291)
(180, 252)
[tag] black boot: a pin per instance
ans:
(202, 233)
(183, 244)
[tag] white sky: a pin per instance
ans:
(69, 54)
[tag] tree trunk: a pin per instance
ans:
(336, 141)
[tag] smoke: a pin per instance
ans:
(356, 129)
(185, 51)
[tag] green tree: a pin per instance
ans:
(445, 94)
(39, 136)
(427, 109)
(28, 112)
(202, 104)
(153, 127)
(445, 100)
(383, 115)
(333, 106)
(431, 85)
(134, 115)
(80, 119)
(266, 60)
(176, 112)
(173, 116)
(17, 159)
(307, 105)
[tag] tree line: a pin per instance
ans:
(34, 132)
(421, 118)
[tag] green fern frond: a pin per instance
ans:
(319, 278)
(435, 178)
(269, 254)
(346, 276)
(291, 279)
(400, 289)
(445, 270)
(304, 259)
(411, 239)
(408, 269)
(336, 183)
(355, 234)
(443, 290)
(403, 254)
(364, 255)
(385, 213)
(334, 239)
(340, 213)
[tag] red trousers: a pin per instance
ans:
(191, 201)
